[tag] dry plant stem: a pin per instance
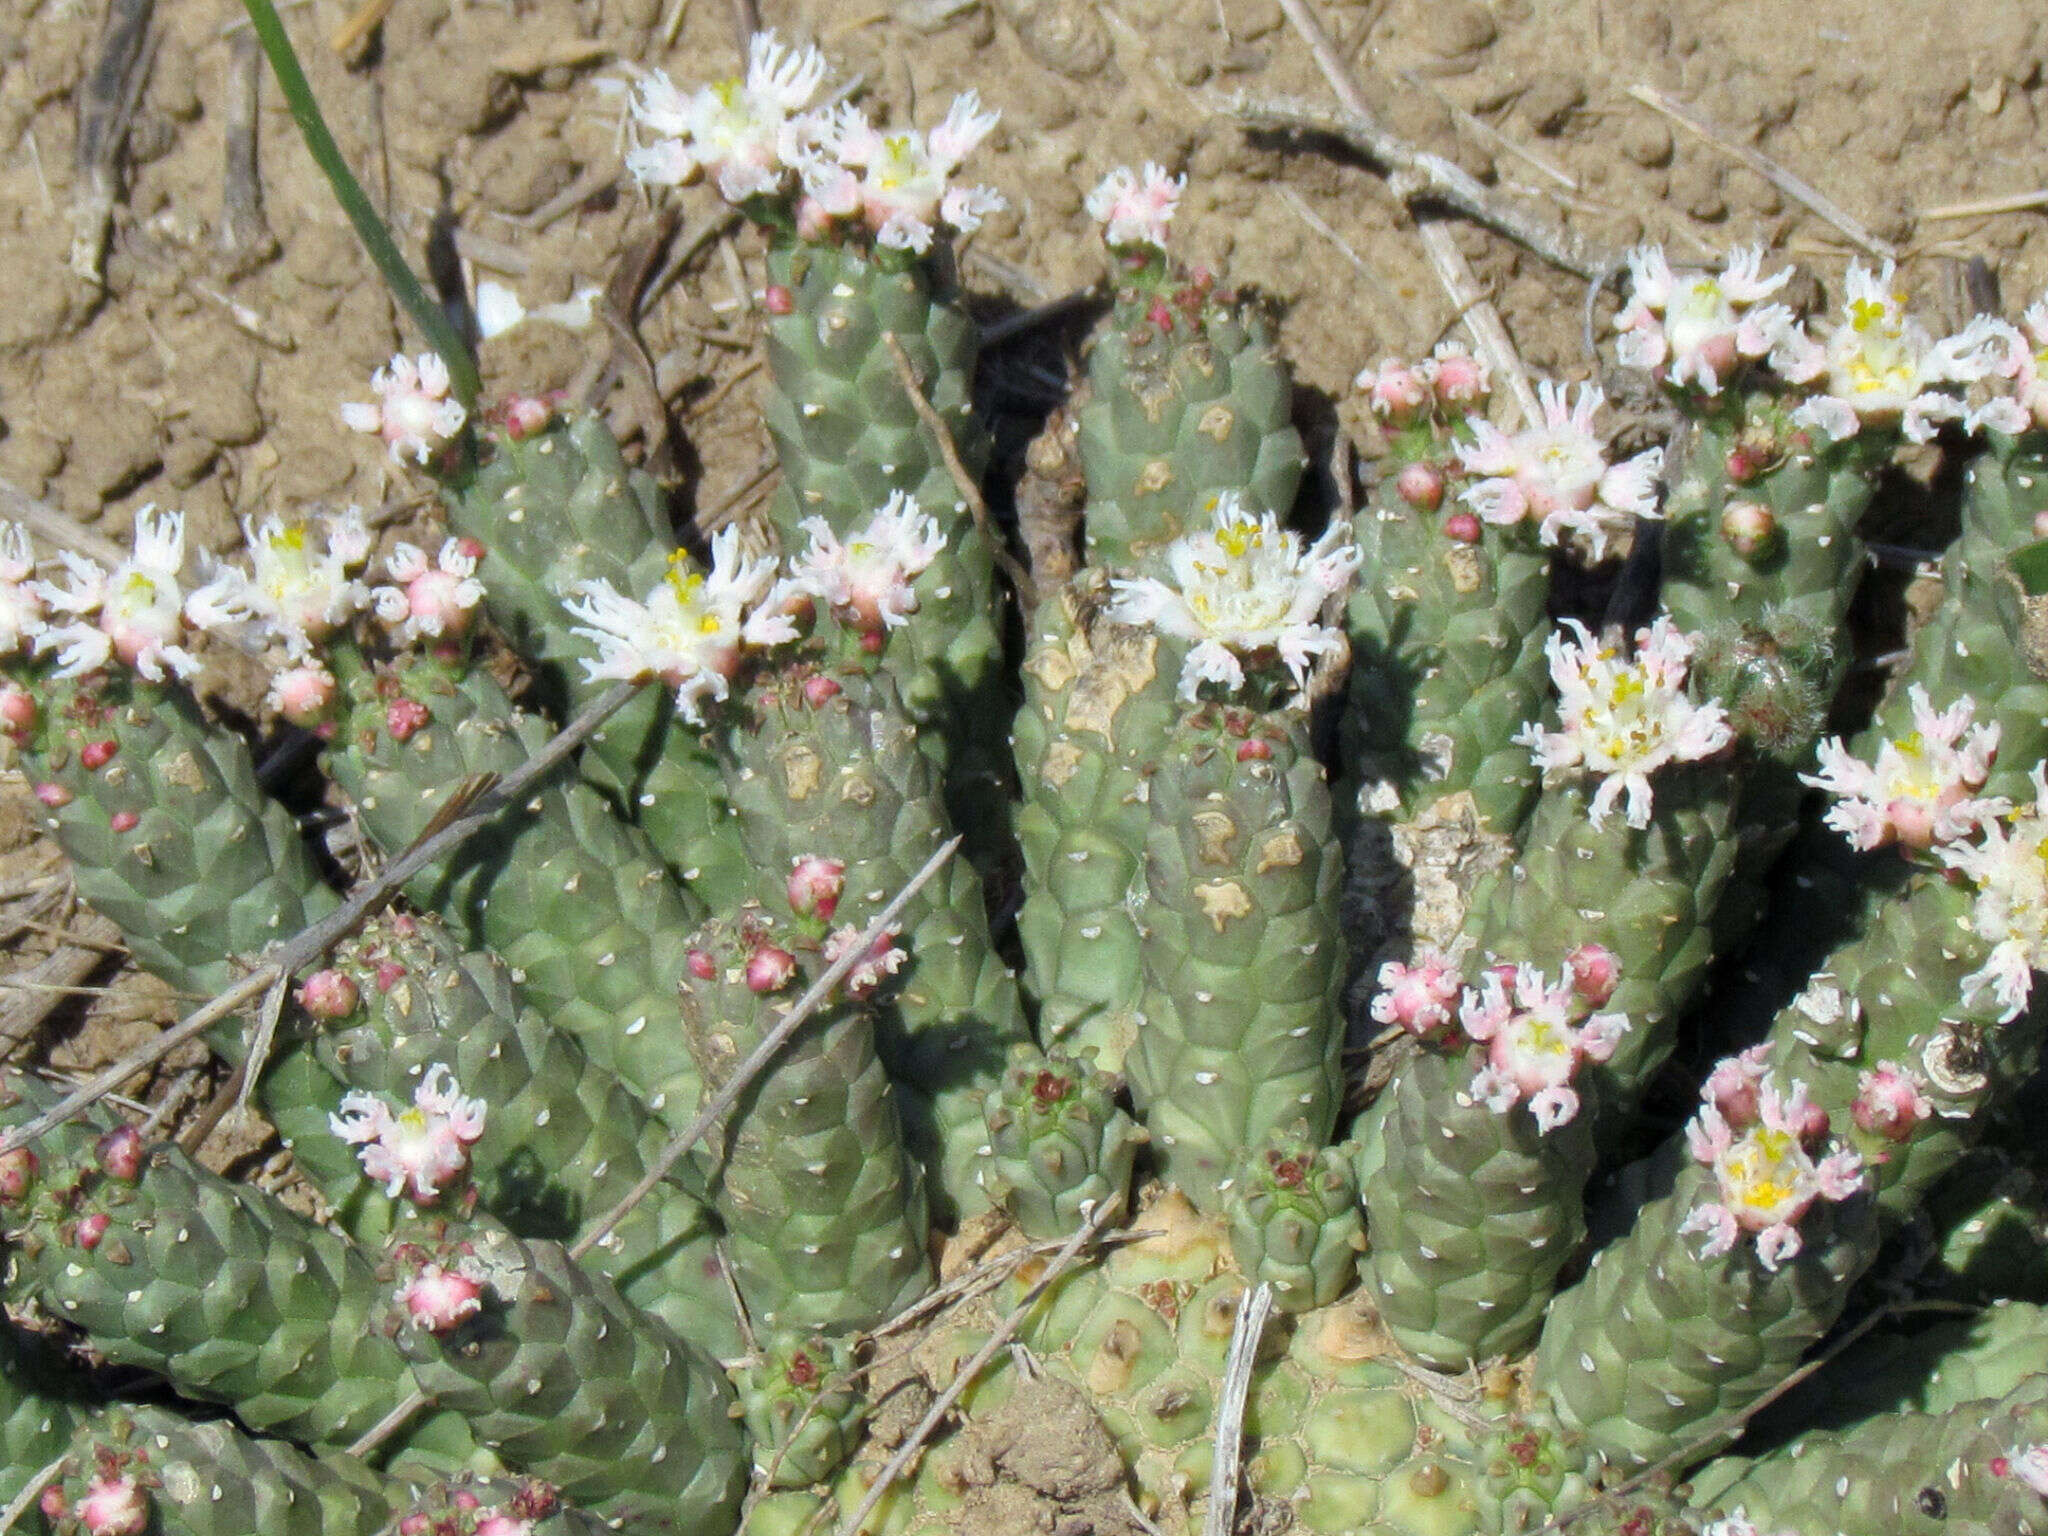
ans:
(1253, 1308)
(965, 1376)
(40, 517)
(1482, 320)
(314, 941)
(1799, 191)
(1428, 175)
(762, 1054)
(243, 230)
(2012, 202)
(50, 980)
(1020, 579)
(360, 24)
(31, 1491)
(106, 104)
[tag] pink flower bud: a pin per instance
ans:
(1396, 391)
(526, 415)
(702, 966)
(778, 300)
(1745, 462)
(302, 694)
(17, 1174)
(1889, 1103)
(437, 1299)
(466, 1499)
(819, 691)
(415, 1525)
(815, 885)
(389, 974)
(498, 1523)
(1749, 527)
(124, 821)
(95, 755)
(403, 717)
(120, 1153)
(17, 710)
(90, 1230)
(329, 994)
(55, 796)
(1464, 527)
(2041, 525)
(769, 969)
(1460, 379)
(114, 1506)
(1254, 751)
(53, 1503)
(1421, 486)
(1595, 973)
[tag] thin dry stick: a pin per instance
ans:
(361, 22)
(2012, 202)
(1799, 191)
(965, 1376)
(243, 230)
(1253, 1307)
(1432, 176)
(1020, 579)
(1411, 182)
(762, 1054)
(40, 517)
(1489, 333)
(106, 105)
(33, 1490)
(316, 939)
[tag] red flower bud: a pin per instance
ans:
(124, 821)
(778, 300)
(1254, 750)
(1465, 527)
(120, 1153)
(17, 1173)
(702, 966)
(815, 885)
(1595, 972)
(769, 969)
(1421, 486)
(97, 754)
(55, 796)
(403, 717)
(90, 1230)
(819, 691)
(329, 994)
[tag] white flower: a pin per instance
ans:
(1417, 997)
(433, 598)
(1556, 471)
(1136, 206)
(899, 183)
(1879, 365)
(882, 958)
(868, 579)
(134, 613)
(2010, 870)
(1919, 791)
(1245, 588)
(2029, 1463)
(21, 606)
(289, 594)
(1533, 1048)
(746, 133)
(1696, 328)
(691, 629)
(418, 1150)
(1624, 719)
(1765, 1173)
(414, 412)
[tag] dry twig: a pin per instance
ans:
(1253, 1307)
(313, 941)
(56, 976)
(1799, 191)
(1983, 207)
(61, 530)
(106, 105)
(977, 504)
(965, 1376)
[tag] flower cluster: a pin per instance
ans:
(1624, 719)
(417, 1151)
(1135, 207)
(438, 1297)
(414, 411)
(830, 169)
(1555, 471)
(1760, 1145)
(21, 605)
(2009, 868)
(1879, 366)
(2019, 376)
(867, 580)
(134, 613)
(1534, 1047)
(692, 629)
(1922, 788)
(1244, 589)
(2028, 1463)
(290, 595)
(1696, 329)
(434, 598)
(883, 958)
(1420, 998)
(1449, 383)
